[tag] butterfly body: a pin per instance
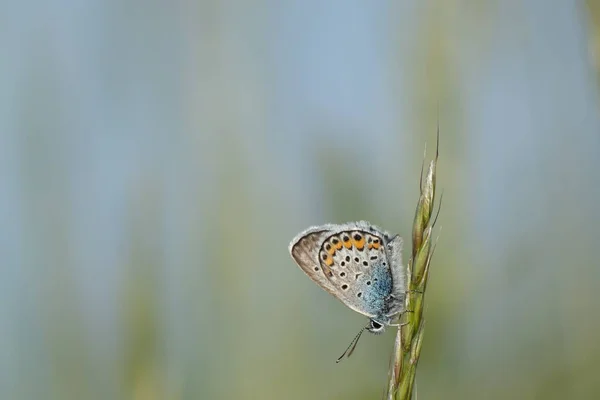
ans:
(359, 264)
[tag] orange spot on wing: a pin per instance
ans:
(348, 243)
(329, 261)
(374, 245)
(359, 244)
(338, 245)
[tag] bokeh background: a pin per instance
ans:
(156, 158)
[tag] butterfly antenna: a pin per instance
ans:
(351, 346)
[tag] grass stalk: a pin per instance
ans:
(409, 337)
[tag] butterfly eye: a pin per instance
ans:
(375, 327)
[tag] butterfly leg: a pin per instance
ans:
(400, 325)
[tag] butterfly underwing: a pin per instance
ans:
(359, 264)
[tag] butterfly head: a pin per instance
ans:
(375, 327)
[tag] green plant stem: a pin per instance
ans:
(409, 337)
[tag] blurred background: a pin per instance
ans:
(157, 158)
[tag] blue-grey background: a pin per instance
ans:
(157, 157)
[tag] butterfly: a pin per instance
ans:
(360, 265)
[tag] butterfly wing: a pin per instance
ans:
(357, 263)
(399, 273)
(305, 248)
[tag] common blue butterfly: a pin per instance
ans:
(359, 264)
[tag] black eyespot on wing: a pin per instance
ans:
(343, 263)
(342, 274)
(316, 268)
(357, 237)
(346, 238)
(368, 282)
(356, 259)
(373, 257)
(347, 258)
(365, 263)
(327, 247)
(344, 287)
(334, 241)
(359, 294)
